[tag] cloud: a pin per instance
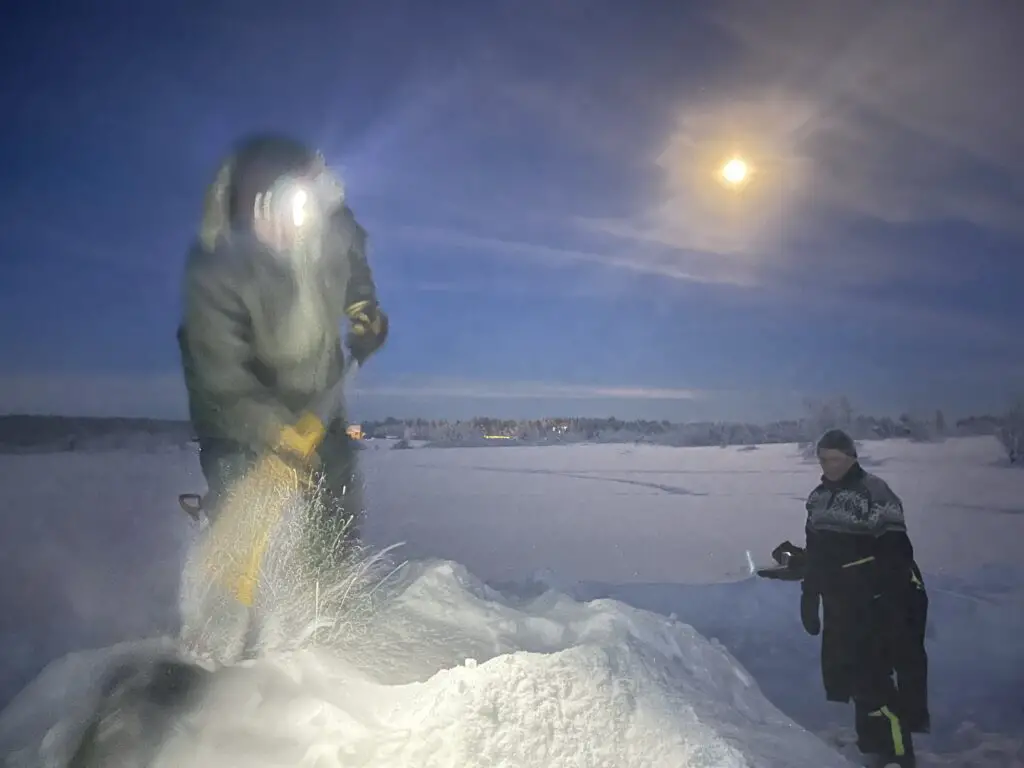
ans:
(992, 380)
(163, 395)
(916, 102)
(713, 231)
(469, 388)
(622, 257)
(160, 395)
(892, 114)
(853, 268)
(515, 288)
(899, 114)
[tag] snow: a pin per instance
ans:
(624, 662)
(640, 513)
(486, 681)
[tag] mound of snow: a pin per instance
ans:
(457, 674)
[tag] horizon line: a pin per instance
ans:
(561, 417)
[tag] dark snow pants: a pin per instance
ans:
(337, 506)
(873, 652)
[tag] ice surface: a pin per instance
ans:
(488, 681)
(640, 513)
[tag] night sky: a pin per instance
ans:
(541, 183)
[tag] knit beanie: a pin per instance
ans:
(837, 440)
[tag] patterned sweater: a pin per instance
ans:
(856, 536)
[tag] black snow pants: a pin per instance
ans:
(873, 652)
(337, 504)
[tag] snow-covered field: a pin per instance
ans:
(460, 674)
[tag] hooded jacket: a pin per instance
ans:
(260, 336)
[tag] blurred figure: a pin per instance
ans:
(278, 267)
(858, 566)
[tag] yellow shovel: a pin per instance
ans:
(234, 545)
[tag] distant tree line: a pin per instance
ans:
(22, 433)
(820, 414)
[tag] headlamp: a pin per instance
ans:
(301, 201)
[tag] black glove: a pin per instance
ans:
(368, 329)
(810, 602)
(790, 555)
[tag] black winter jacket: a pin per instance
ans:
(860, 562)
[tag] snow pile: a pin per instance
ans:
(457, 674)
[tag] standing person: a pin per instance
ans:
(279, 266)
(859, 568)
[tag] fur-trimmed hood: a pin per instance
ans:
(214, 222)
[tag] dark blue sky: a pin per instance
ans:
(539, 183)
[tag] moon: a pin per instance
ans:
(735, 171)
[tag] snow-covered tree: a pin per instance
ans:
(1011, 433)
(918, 427)
(822, 415)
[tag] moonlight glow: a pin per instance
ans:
(735, 171)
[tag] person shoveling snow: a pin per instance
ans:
(279, 265)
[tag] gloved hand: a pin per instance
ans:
(810, 603)
(789, 555)
(368, 329)
(301, 440)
